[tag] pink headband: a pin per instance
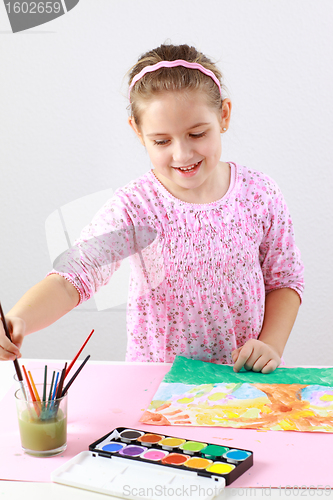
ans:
(172, 64)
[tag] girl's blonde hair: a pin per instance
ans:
(176, 79)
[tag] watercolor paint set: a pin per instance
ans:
(205, 459)
(126, 459)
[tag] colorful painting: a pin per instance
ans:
(205, 394)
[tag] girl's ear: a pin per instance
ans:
(225, 115)
(134, 126)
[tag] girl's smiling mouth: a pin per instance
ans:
(190, 169)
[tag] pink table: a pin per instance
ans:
(108, 396)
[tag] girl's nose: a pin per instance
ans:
(182, 153)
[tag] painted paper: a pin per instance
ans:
(205, 394)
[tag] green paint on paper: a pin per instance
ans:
(192, 371)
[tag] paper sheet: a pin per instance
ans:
(198, 393)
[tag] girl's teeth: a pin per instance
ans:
(188, 168)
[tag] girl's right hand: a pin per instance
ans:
(10, 350)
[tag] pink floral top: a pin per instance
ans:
(199, 279)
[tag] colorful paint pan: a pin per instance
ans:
(169, 443)
(192, 447)
(214, 450)
(146, 451)
(198, 463)
(235, 456)
(220, 468)
(113, 447)
(129, 435)
(132, 451)
(175, 459)
(150, 439)
(154, 454)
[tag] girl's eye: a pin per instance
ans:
(197, 136)
(161, 143)
(164, 142)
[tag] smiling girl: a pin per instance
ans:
(222, 281)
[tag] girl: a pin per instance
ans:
(216, 274)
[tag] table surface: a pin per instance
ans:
(31, 490)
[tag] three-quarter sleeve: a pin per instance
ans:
(98, 252)
(279, 256)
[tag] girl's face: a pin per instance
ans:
(181, 133)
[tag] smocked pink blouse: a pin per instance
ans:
(200, 272)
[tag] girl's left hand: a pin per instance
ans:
(257, 356)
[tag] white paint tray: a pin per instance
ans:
(132, 479)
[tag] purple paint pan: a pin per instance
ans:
(132, 450)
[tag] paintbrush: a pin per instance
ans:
(59, 389)
(16, 363)
(32, 394)
(78, 354)
(61, 382)
(74, 377)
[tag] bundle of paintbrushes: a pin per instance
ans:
(45, 402)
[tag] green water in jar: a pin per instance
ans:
(42, 435)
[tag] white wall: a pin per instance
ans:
(64, 134)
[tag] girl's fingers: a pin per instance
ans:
(244, 355)
(10, 350)
(270, 366)
(260, 363)
(256, 356)
(234, 355)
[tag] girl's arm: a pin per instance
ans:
(264, 354)
(282, 268)
(39, 307)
